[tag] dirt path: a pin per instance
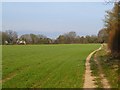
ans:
(89, 79)
(104, 81)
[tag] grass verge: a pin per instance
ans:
(110, 67)
(95, 73)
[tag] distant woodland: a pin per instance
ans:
(11, 37)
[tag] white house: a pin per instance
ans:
(21, 42)
(6, 42)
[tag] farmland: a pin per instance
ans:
(45, 66)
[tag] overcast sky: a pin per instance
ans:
(54, 18)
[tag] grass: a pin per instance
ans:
(110, 67)
(95, 72)
(45, 66)
(0, 66)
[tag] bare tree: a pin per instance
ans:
(12, 36)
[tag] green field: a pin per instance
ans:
(45, 66)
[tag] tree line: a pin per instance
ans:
(112, 26)
(68, 38)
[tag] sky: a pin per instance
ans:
(54, 18)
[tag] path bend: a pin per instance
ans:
(89, 79)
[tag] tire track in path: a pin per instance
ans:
(104, 81)
(89, 79)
